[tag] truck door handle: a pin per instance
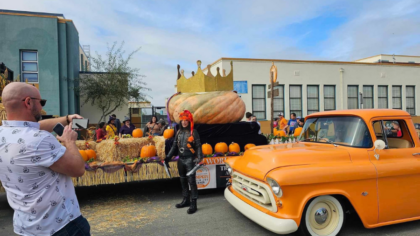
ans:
(416, 154)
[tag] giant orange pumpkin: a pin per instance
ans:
(148, 151)
(234, 147)
(279, 133)
(298, 130)
(84, 155)
(249, 145)
(90, 154)
(168, 133)
(137, 133)
(219, 107)
(221, 147)
(206, 149)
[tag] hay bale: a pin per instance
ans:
(81, 145)
(160, 146)
(108, 151)
(128, 147)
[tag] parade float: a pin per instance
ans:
(217, 111)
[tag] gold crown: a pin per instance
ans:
(201, 82)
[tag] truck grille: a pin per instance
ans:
(256, 191)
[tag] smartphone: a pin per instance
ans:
(58, 129)
(80, 123)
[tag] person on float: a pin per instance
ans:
(111, 129)
(127, 127)
(187, 141)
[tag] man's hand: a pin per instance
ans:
(68, 135)
(74, 116)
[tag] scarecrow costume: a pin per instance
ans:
(187, 142)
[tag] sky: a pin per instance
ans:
(181, 32)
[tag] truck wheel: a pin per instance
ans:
(323, 216)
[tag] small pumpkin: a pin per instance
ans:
(148, 151)
(206, 149)
(221, 147)
(297, 132)
(279, 132)
(137, 133)
(234, 147)
(249, 145)
(84, 155)
(168, 133)
(90, 154)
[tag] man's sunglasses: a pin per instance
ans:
(42, 101)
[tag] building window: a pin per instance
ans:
(278, 103)
(329, 97)
(136, 111)
(296, 99)
(86, 66)
(240, 86)
(29, 66)
(81, 63)
(396, 97)
(409, 96)
(352, 97)
(382, 96)
(258, 101)
(313, 99)
(368, 96)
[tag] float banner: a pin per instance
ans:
(213, 174)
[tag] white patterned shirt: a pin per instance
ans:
(44, 201)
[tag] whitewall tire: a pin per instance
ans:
(324, 216)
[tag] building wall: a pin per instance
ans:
(55, 55)
(94, 114)
(84, 62)
(316, 73)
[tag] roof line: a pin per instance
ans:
(385, 55)
(307, 61)
(30, 13)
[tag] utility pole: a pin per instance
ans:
(273, 92)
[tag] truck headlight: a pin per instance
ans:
(275, 187)
(228, 168)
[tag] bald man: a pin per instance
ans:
(36, 169)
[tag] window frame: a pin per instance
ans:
(357, 96)
(335, 96)
(373, 96)
(414, 99)
(400, 86)
(301, 100)
(386, 98)
(307, 99)
(276, 112)
(400, 121)
(265, 100)
(29, 72)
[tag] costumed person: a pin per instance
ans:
(127, 127)
(111, 129)
(187, 142)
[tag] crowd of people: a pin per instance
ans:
(114, 127)
(288, 126)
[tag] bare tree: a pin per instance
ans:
(112, 83)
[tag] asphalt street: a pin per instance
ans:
(148, 208)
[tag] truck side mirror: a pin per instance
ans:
(379, 145)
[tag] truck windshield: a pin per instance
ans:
(344, 130)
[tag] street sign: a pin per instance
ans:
(274, 85)
(276, 93)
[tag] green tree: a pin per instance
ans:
(113, 82)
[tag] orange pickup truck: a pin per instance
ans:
(362, 160)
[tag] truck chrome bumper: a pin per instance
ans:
(275, 225)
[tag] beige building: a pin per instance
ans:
(306, 87)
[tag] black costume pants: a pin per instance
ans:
(185, 164)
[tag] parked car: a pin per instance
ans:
(362, 160)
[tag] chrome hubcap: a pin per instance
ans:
(321, 215)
